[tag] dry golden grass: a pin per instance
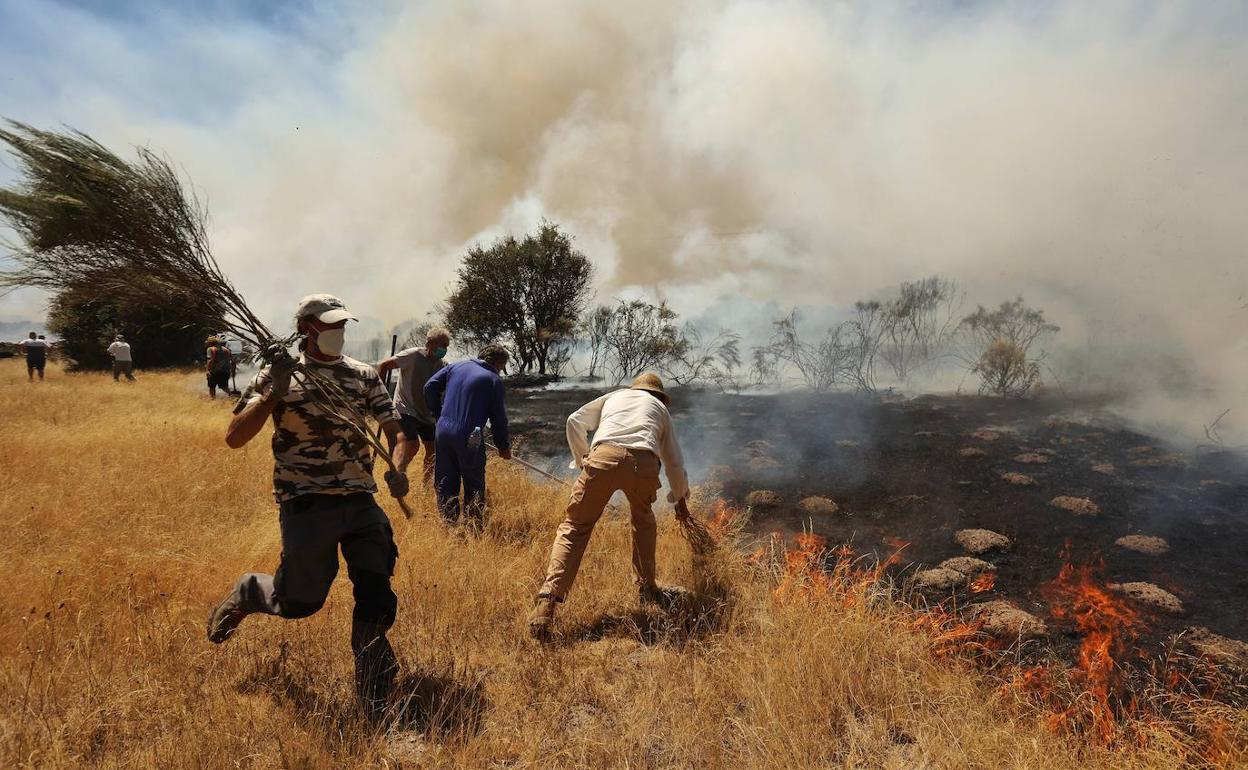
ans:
(127, 518)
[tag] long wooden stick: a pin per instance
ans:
(699, 538)
(533, 467)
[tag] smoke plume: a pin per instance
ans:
(726, 156)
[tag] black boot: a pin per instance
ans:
(375, 667)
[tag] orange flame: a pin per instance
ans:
(983, 582)
(815, 571)
(1094, 697)
(1108, 626)
(721, 519)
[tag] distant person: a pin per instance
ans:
(633, 438)
(464, 397)
(323, 482)
(36, 350)
(416, 366)
(122, 361)
(218, 365)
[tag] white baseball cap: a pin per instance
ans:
(326, 308)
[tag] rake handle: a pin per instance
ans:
(531, 466)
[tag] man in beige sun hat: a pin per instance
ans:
(633, 438)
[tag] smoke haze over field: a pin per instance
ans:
(1091, 156)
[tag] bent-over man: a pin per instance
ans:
(323, 482)
(416, 366)
(633, 438)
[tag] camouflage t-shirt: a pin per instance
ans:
(314, 451)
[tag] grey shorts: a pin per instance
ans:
(314, 527)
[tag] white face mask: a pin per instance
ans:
(330, 342)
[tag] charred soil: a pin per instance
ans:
(899, 477)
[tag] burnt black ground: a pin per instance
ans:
(891, 450)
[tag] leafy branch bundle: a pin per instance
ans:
(87, 218)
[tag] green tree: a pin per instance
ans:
(87, 319)
(527, 293)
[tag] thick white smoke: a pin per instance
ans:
(1090, 156)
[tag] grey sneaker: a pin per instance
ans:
(224, 620)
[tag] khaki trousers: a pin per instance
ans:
(607, 468)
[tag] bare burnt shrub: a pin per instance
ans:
(1000, 346)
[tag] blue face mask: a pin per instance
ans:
(439, 353)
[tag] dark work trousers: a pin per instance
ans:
(455, 465)
(314, 526)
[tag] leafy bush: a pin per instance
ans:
(87, 319)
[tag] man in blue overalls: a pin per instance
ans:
(463, 397)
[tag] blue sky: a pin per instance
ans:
(188, 61)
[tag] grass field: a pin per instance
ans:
(128, 518)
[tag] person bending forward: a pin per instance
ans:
(633, 438)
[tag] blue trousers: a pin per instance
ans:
(455, 466)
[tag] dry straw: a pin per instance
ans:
(88, 219)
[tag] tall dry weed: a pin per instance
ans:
(127, 518)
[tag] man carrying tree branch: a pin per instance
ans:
(323, 482)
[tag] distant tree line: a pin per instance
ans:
(86, 320)
(533, 295)
(901, 337)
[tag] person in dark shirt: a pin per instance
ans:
(463, 397)
(219, 366)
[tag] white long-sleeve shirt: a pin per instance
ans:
(633, 419)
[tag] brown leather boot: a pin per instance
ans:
(541, 618)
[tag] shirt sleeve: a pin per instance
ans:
(434, 389)
(380, 405)
(255, 389)
(498, 416)
(404, 357)
(580, 423)
(673, 462)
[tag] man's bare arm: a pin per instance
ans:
(387, 364)
(246, 424)
(397, 442)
